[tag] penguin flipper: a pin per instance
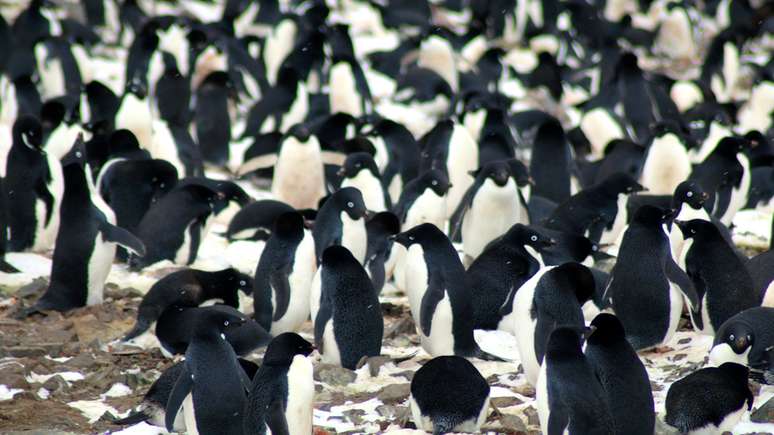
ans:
(122, 237)
(41, 190)
(324, 314)
(281, 287)
(133, 418)
(434, 294)
(275, 418)
(195, 231)
(455, 221)
(256, 163)
(685, 284)
(179, 392)
(7, 267)
(557, 420)
(507, 306)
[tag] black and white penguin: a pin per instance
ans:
(134, 113)
(506, 264)
(491, 206)
(86, 241)
(554, 296)
(744, 339)
(348, 325)
(725, 176)
(284, 276)
(438, 293)
(189, 288)
(448, 394)
(424, 200)
(646, 286)
(622, 375)
(34, 186)
(722, 282)
(281, 396)
(762, 273)
(359, 170)
(380, 229)
(710, 400)
(342, 221)
(667, 162)
(173, 228)
(551, 164)
(211, 117)
(569, 397)
(211, 387)
(175, 330)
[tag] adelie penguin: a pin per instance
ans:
(438, 293)
(723, 284)
(622, 375)
(745, 338)
(553, 296)
(359, 170)
(86, 241)
(710, 400)
(284, 275)
(341, 221)
(424, 200)
(646, 286)
(189, 288)
(348, 325)
(448, 394)
(211, 387)
(34, 186)
(570, 399)
(282, 392)
(380, 260)
(211, 117)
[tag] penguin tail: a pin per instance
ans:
(443, 425)
(133, 418)
(140, 327)
(6, 267)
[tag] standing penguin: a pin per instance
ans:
(490, 206)
(282, 392)
(506, 264)
(438, 293)
(341, 221)
(211, 387)
(211, 116)
(86, 242)
(134, 113)
(5, 267)
(349, 324)
(569, 397)
(284, 275)
(551, 163)
(725, 176)
(424, 200)
(448, 394)
(646, 285)
(723, 284)
(622, 375)
(667, 162)
(710, 400)
(359, 170)
(33, 185)
(548, 299)
(189, 288)
(744, 338)
(380, 230)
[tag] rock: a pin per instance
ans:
(114, 292)
(103, 379)
(23, 351)
(375, 363)
(679, 356)
(525, 390)
(532, 416)
(387, 411)
(35, 288)
(400, 328)
(764, 414)
(512, 424)
(84, 360)
(684, 341)
(505, 402)
(355, 415)
(334, 375)
(56, 384)
(655, 386)
(394, 393)
(12, 375)
(95, 332)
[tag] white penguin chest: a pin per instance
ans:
(666, 166)
(353, 236)
(610, 236)
(427, 208)
(298, 175)
(330, 353)
(370, 187)
(493, 211)
(300, 280)
(344, 96)
(298, 412)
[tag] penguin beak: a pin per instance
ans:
(704, 196)
(341, 172)
(740, 342)
(368, 214)
(531, 181)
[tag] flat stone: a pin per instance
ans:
(512, 424)
(394, 393)
(56, 384)
(764, 414)
(24, 351)
(505, 402)
(334, 375)
(532, 416)
(34, 288)
(13, 375)
(525, 390)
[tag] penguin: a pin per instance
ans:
(341, 221)
(402, 166)
(551, 163)
(439, 296)
(349, 92)
(34, 187)
(570, 399)
(360, 171)
(448, 394)
(646, 286)
(623, 377)
(173, 228)
(134, 113)
(710, 400)
(211, 117)
(5, 267)
(211, 388)
(725, 176)
(284, 276)
(667, 162)
(283, 105)
(424, 200)
(379, 229)
(722, 282)
(349, 324)
(490, 207)
(176, 330)
(506, 264)
(281, 395)
(744, 338)
(189, 288)
(86, 241)
(552, 297)
(154, 402)
(172, 93)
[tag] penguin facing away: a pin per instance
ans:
(282, 391)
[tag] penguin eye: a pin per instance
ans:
(689, 194)
(411, 238)
(78, 154)
(434, 183)
(533, 238)
(242, 282)
(595, 248)
(357, 165)
(731, 337)
(350, 204)
(693, 231)
(225, 323)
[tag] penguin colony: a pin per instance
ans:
(567, 172)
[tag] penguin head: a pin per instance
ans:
(689, 192)
(520, 173)
(52, 113)
(649, 215)
(27, 131)
(606, 329)
(737, 372)
(123, 142)
(739, 336)
(565, 342)
(383, 223)
(576, 277)
(436, 180)
(289, 225)
(525, 235)
(350, 200)
(217, 318)
(621, 183)
(77, 154)
(235, 278)
(300, 132)
(337, 256)
(284, 347)
(419, 234)
(498, 171)
(696, 228)
(357, 162)
(730, 146)
(137, 88)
